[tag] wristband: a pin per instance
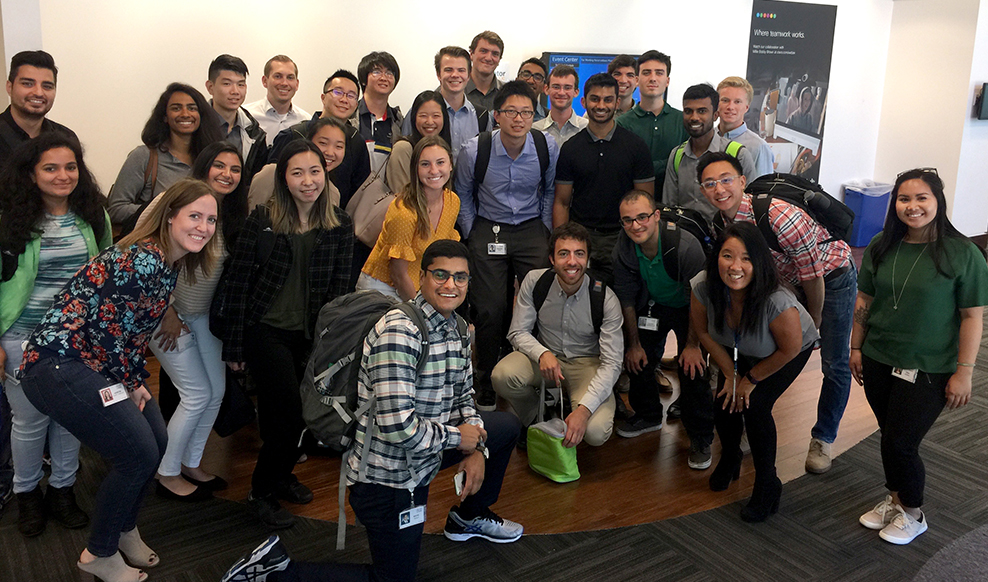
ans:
(751, 378)
(964, 364)
(854, 348)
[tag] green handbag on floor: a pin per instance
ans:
(546, 454)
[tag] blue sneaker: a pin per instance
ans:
(266, 558)
(488, 526)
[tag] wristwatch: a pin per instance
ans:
(751, 378)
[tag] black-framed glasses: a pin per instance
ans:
(640, 219)
(514, 113)
(440, 276)
(526, 75)
(340, 93)
(726, 182)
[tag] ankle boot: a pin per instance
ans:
(764, 501)
(63, 508)
(31, 517)
(728, 469)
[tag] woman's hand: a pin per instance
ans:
(856, 367)
(741, 395)
(170, 328)
(958, 389)
(140, 397)
(236, 366)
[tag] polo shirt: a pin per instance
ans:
(601, 172)
(480, 99)
(661, 288)
(662, 133)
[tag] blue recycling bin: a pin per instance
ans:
(869, 203)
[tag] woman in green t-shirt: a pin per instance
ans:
(917, 330)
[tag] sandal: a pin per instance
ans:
(112, 569)
(135, 551)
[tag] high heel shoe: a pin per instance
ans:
(136, 552)
(764, 501)
(112, 569)
(728, 469)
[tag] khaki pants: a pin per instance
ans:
(516, 378)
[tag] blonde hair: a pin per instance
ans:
(740, 83)
(284, 212)
(156, 226)
(412, 196)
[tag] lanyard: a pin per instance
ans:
(734, 380)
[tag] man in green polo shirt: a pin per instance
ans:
(652, 119)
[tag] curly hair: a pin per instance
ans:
(156, 131)
(233, 206)
(22, 207)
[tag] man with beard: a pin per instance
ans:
(31, 88)
(699, 113)
(596, 168)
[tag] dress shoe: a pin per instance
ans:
(764, 501)
(215, 484)
(200, 493)
(728, 469)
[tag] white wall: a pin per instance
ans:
(970, 192)
(116, 56)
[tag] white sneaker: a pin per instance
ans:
(881, 515)
(903, 529)
(818, 457)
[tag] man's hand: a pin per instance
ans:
(635, 359)
(170, 328)
(549, 366)
(576, 426)
(692, 361)
(470, 435)
(473, 466)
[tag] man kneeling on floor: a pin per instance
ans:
(423, 422)
(566, 330)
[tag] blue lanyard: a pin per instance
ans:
(734, 380)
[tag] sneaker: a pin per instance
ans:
(637, 426)
(488, 526)
(903, 528)
(293, 491)
(818, 458)
(270, 512)
(675, 411)
(266, 558)
(623, 385)
(486, 399)
(881, 515)
(699, 456)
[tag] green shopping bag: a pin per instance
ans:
(546, 454)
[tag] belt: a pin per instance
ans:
(836, 273)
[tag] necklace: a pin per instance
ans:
(895, 300)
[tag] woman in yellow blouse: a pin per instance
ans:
(423, 212)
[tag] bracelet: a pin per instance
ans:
(854, 348)
(751, 378)
(966, 365)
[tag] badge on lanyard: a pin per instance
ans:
(907, 375)
(113, 394)
(414, 515)
(647, 322)
(497, 248)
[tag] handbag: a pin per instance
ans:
(237, 409)
(368, 206)
(546, 454)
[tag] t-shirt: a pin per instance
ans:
(924, 332)
(288, 310)
(761, 343)
(400, 239)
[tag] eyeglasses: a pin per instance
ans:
(711, 184)
(442, 275)
(640, 219)
(378, 72)
(340, 94)
(526, 75)
(920, 170)
(514, 113)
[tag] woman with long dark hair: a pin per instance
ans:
(180, 126)
(429, 118)
(84, 365)
(183, 344)
(425, 211)
(52, 221)
(760, 337)
(916, 334)
(292, 256)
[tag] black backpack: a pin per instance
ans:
(598, 292)
(690, 220)
(485, 142)
(833, 214)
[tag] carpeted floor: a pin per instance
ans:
(815, 536)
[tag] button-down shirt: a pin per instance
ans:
(417, 414)
(566, 329)
(764, 156)
(273, 122)
(683, 189)
(481, 99)
(511, 192)
(561, 133)
(662, 133)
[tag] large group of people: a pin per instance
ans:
(231, 235)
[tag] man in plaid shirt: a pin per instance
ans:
(809, 260)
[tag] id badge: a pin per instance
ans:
(414, 515)
(497, 249)
(907, 375)
(648, 323)
(113, 394)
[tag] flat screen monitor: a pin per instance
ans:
(983, 106)
(586, 64)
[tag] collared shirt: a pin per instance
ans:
(379, 134)
(12, 136)
(231, 133)
(662, 133)
(804, 254)
(562, 133)
(481, 99)
(540, 112)
(764, 156)
(566, 329)
(511, 192)
(417, 414)
(683, 189)
(273, 122)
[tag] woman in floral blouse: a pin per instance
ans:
(84, 365)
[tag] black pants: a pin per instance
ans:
(905, 412)
(492, 286)
(757, 418)
(602, 244)
(276, 358)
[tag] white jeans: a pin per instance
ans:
(365, 281)
(196, 368)
(30, 428)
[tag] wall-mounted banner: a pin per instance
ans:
(789, 67)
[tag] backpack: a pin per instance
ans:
(598, 292)
(733, 149)
(826, 210)
(484, 144)
(690, 220)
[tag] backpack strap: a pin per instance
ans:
(539, 294)
(734, 148)
(484, 145)
(598, 292)
(151, 169)
(542, 149)
(669, 237)
(759, 207)
(483, 118)
(679, 157)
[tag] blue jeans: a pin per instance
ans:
(132, 441)
(835, 350)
